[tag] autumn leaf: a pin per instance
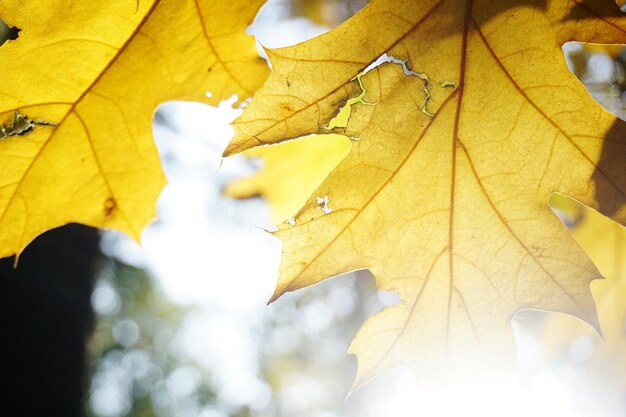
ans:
(443, 195)
(605, 243)
(79, 87)
(291, 172)
(604, 368)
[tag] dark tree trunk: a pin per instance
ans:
(45, 320)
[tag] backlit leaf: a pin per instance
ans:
(84, 81)
(444, 195)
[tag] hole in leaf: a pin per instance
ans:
(8, 33)
(21, 125)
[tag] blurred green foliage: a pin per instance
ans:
(135, 370)
(139, 369)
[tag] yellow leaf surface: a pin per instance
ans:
(604, 369)
(444, 197)
(291, 172)
(85, 82)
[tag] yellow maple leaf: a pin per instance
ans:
(444, 197)
(78, 90)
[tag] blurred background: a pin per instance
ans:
(180, 327)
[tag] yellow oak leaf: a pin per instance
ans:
(464, 133)
(78, 90)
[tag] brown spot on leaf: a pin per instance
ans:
(287, 107)
(109, 206)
